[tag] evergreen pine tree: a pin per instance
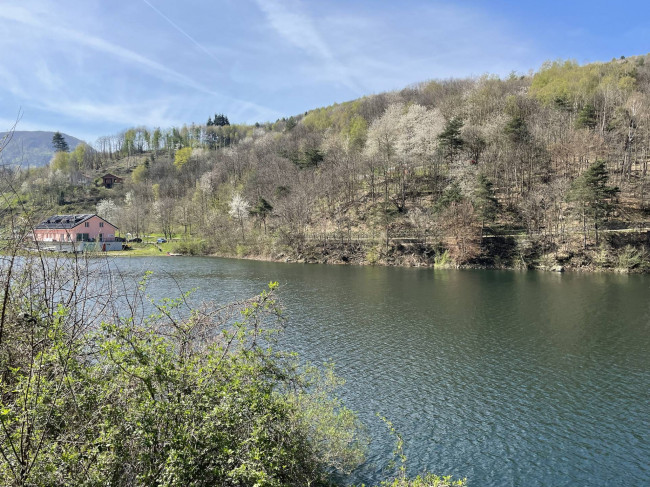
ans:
(59, 143)
(517, 130)
(450, 139)
(220, 120)
(587, 117)
(262, 210)
(592, 196)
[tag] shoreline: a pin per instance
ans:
(282, 259)
(395, 257)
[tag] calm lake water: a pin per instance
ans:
(506, 378)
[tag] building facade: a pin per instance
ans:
(75, 228)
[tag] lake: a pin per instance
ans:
(503, 377)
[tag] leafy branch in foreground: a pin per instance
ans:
(401, 479)
(180, 397)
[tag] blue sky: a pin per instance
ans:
(96, 67)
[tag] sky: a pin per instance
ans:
(90, 68)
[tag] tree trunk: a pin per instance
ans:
(584, 228)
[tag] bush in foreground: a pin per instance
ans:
(95, 391)
(100, 387)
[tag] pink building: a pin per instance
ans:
(75, 228)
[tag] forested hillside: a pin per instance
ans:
(548, 170)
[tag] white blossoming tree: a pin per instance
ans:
(108, 210)
(239, 210)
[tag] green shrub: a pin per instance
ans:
(428, 480)
(241, 250)
(630, 257)
(372, 256)
(443, 260)
(192, 247)
(179, 397)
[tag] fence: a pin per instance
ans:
(380, 236)
(81, 246)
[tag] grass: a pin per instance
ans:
(145, 249)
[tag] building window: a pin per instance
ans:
(101, 224)
(87, 224)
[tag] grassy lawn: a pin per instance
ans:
(145, 249)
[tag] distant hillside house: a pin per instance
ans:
(109, 180)
(75, 228)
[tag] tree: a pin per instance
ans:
(592, 196)
(155, 140)
(81, 157)
(475, 143)
(380, 151)
(164, 210)
(452, 194)
(139, 174)
(182, 157)
(484, 200)
(220, 120)
(108, 210)
(461, 229)
(517, 130)
(60, 162)
(417, 144)
(310, 158)
(587, 117)
(133, 214)
(262, 210)
(290, 124)
(239, 210)
(451, 141)
(59, 143)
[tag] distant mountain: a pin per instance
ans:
(32, 148)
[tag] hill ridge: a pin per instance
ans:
(32, 148)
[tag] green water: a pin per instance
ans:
(507, 378)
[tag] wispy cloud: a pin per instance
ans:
(159, 95)
(178, 28)
(150, 112)
(164, 111)
(289, 21)
(393, 47)
(62, 33)
(12, 83)
(295, 27)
